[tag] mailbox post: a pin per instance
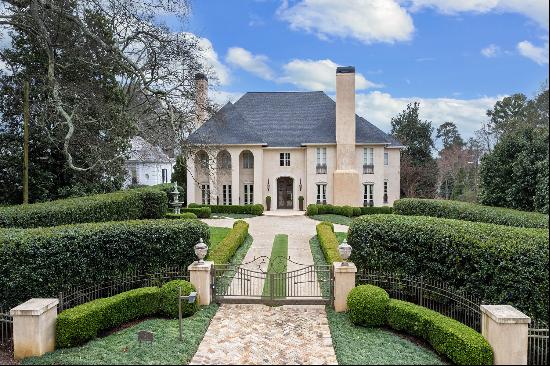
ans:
(190, 299)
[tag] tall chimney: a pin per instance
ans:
(345, 117)
(201, 98)
(345, 177)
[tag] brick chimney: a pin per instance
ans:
(346, 176)
(201, 98)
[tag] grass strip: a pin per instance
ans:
(277, 265)
(217, 234)
(335, 219)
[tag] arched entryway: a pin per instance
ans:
(285, 193)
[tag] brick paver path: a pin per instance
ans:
(258, 334)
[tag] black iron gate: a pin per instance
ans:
(250, 283)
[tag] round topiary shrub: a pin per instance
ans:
(169, 293)
(367, 305)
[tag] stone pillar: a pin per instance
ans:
(200, 277)
(344, 282)
(34, 327)
(505, 328)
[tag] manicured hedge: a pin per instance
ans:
(257, 209)
(328, 241)
(201, 212)
(367, 305)
(41, 262)
(184, 215)
(498, 264)
(143, 203)
(470, 212)
(169, 293)
(225, 249)
(460, 343)
(348, 211)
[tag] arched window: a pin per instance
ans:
(248, 160)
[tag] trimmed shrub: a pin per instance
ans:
(470, 212)
(256, 209)
(169, 293)
(497, 264)
(348, 211)
(82, 323)
(226, 248)
(184, 215)
(143, 203)
(200, 212)
(41, 262)
(367, 305)
(328, 241)
(460, 343)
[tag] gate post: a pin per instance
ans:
(201, 277)
(506, 330)
(344, 282)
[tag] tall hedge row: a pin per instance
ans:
(40, 262)
(143, 203)
(498, 264)
(469, 212)
(226, 248)
(328, 242)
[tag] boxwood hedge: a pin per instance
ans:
(184, 216)
(460, 343)
(225, 249)
(201, 212)
(470, 212)
(497, 264)
(367, 305)
(143, 203)
(328, 242)
(348, 211)
(256, 209)
(40, 262)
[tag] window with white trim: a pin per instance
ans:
(248, 160)
(321, 167)
(164, 175)
(205, 192)
(226, 194)
(368, 160)
(386, 158)
(248, 194)
(368, 194)
(386, 191)
(284, 159)
(321, 193)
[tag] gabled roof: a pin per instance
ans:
(144, 151)
(282, 119)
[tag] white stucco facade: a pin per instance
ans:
(147, 164)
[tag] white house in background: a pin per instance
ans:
(291, 144)
(148, 164)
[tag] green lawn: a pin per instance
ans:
(231, 216)
(335, 219)
(356, 345)
(216, 235)
(123, 347)
(277, 264)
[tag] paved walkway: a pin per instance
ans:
(259, 335)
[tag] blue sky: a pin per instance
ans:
(455, 57)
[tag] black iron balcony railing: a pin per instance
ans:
(321, 168)
(368, 169)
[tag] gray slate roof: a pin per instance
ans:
(282, 119)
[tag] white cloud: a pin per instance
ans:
(255, 64)
(537, 54)
(536, 10)
(468, 114)
(318, 75)
(221, 97)
(210, 59)
(368, 21)
(490, 51)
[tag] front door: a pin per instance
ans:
(285, 197)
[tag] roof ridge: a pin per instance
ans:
(289, 92)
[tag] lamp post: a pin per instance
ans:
(345, 251)
(201, 249)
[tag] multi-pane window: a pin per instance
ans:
(224, 161)
(386, 158)
(368, 194)
(226, 194)
(205, 190)
(248, 160)
(321, 167)
(164, 175)
(248, 194)
(204, 160)
(321, 193)
(284, 159)
(368, 160)
(386, 191)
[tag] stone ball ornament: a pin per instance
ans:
(201, 249)
(345, 252)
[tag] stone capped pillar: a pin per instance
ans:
(344, 282)
(201, 278)
(346, 177)
(506, 330)
(34, 327)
